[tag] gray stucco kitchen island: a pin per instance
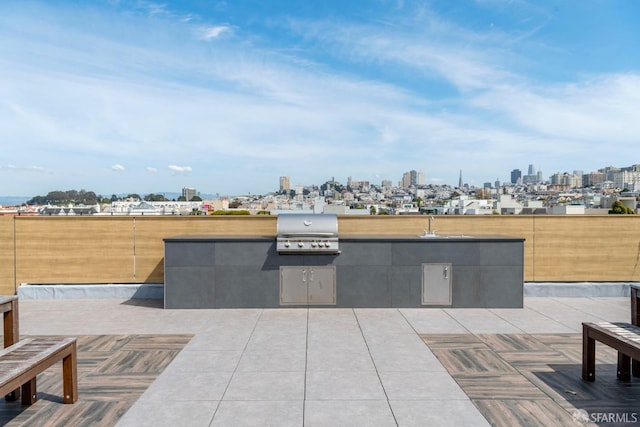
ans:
(369, 271)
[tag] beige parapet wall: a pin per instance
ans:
(126, 249)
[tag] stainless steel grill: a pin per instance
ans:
(307, 233)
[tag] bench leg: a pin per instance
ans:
(11, 336)
(70, 376)
(588, 356)
(624, 367)
(29, 392)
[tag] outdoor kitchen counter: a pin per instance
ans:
(369, 237)
(216, 238)
(209, 271)
(429, 238)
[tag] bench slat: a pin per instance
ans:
(28, 352)
(14, 347)
(617, 335)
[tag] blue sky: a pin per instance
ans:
(142, 96)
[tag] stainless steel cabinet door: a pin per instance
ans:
(293, 286)
(322, 285)
(308, 285)
(436, 284)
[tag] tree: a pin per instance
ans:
(619, 208)
(418, 201)
(155, 198)
(66, 197)
(483, 194)
(87, 197)
(372, 210)
(238, 212)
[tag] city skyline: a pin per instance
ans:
(122, 95)
(620, 177)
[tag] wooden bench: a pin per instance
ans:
(623, 337)
(634, 292)
(9, 310)
(23, 361)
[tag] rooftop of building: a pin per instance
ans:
(140, 364)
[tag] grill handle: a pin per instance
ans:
(298, 235)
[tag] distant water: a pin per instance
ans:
(13, 200)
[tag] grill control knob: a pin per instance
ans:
(287, 244)
(320, 244)
(327, 244)
(300, 244)
(314, 244)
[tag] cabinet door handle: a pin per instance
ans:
(445, 272)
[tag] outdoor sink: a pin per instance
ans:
(429, 235)
(433, 235)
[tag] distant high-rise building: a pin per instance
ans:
(579, 178)
(386, 183)
(353, 184)
(593, 179)
(516, 176)
(406, 180)
(189, 193)
(532, 177)
(460, 183)
(285, 184)
(412, 178)
(626, 179)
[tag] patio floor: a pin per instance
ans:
(141, 365)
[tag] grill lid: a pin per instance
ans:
(307, 233)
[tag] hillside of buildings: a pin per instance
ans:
(608, 190)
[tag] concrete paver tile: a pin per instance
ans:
(348, 413)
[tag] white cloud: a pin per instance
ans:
(117, 168)
(179, 169)
(209, 33)
(23, 168)
(600, 110)
(428, 46)
(151, 169)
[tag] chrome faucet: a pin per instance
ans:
(430, 219)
